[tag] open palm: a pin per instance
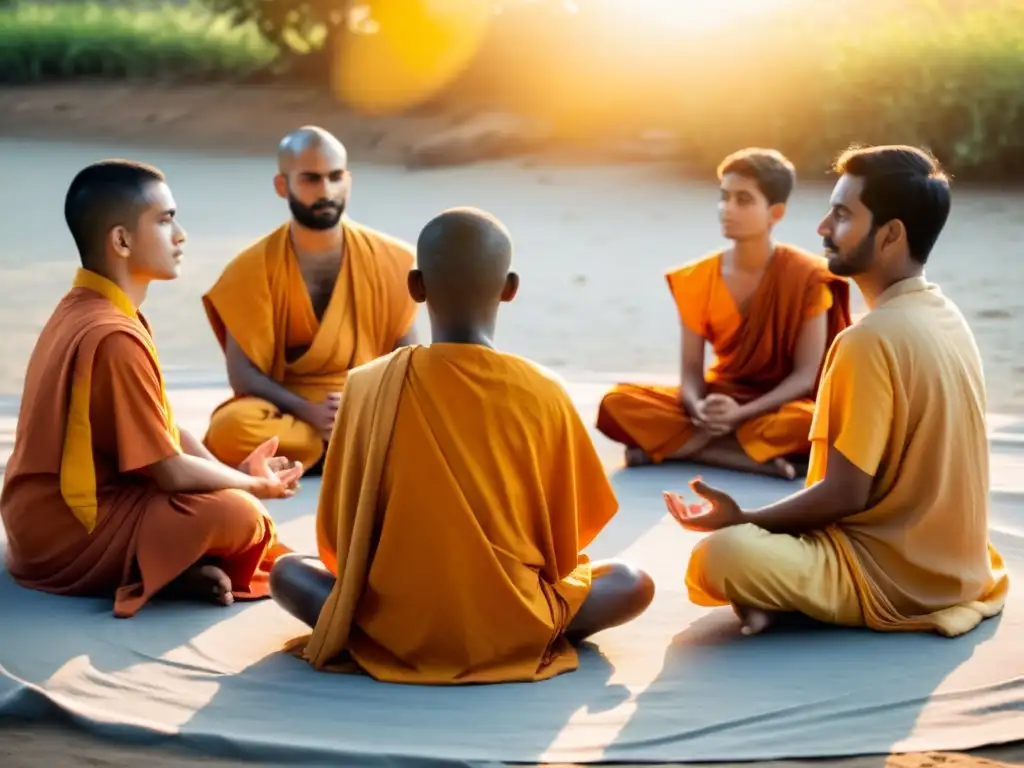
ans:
(262, 463)
(719, 510)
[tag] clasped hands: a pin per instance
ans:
(717, 414)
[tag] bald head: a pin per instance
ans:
(463, 257)
(305, 140)
(313, 177)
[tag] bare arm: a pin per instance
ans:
(844, 491)
(693, 386)
(190, 474)
(191, 445)
(810, 351)
(247, 380)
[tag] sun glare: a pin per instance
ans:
(697, 14)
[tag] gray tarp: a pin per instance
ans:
(679, 684)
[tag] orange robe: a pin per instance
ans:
(262, 301)
(81, 515)
(753, 354)
(459, 490)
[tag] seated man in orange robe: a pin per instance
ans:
(104, 494)
(459, 490)
(769, 312)
(891, 531)
(298, 309)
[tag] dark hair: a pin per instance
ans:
(104, 195)
(774, 174)
(904, 183)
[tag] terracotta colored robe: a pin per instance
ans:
(82, 516)
(753, 354)
(262, 301)
(898, 400)
(459, 490)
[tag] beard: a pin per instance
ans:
(321, 215)
(855, 261)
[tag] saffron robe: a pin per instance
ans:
(459, 491)
(81, 515)
(753, 354)
(261, 300)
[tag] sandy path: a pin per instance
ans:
(592, 244)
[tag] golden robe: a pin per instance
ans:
(460, 488)
(261, 300)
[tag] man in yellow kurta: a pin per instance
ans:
(459, 491)
(891, 531)
(298, 309)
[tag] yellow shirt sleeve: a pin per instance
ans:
(854, 409)
(820, 302)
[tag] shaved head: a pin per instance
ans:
(463, 259)
(312, 175)
(309, 138)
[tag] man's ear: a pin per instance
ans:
(511, 287)
(120, 241)
(894, 233)
(417, 289)
(281, 186)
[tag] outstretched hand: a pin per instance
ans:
(718, 511)
(278, 476)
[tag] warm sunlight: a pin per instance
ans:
(696, 14)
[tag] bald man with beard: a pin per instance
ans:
(301, 307)
(460, 491)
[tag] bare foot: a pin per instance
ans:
(204, 583)
(754, 621)
(635, 457)
(783, 468)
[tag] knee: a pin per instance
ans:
(722, 556)
(611, 412)
(614, 400)
(736, 544)
(286, 572)
(237, 416)
(643, 589)
(233, 430)
(239, 510)
(628, 580)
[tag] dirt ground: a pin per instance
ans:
(979, 264)
(236, 120)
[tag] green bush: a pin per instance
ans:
(42, 42)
